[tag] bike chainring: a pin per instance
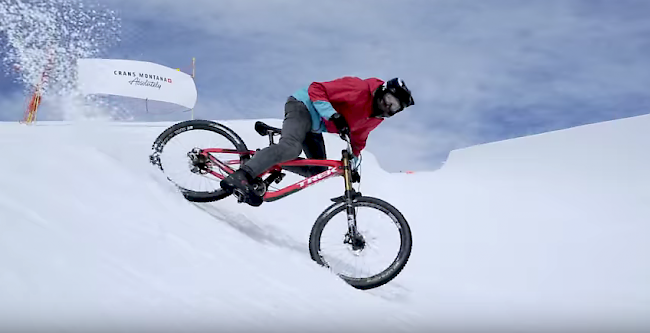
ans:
(259, 187)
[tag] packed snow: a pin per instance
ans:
(547, 232)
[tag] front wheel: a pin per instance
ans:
(370, 257)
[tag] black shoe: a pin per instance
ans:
(239, 179)
(254, 200)
(241, 183)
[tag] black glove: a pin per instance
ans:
(341, 124)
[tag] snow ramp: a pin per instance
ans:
(547, 232)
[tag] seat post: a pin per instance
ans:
(270, 133)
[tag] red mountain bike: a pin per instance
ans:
(207, 152)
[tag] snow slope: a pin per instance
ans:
(547, 232)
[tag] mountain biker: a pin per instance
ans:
(349, 106)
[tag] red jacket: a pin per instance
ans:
(352, 98)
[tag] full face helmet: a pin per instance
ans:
(391, 97)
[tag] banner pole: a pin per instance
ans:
(193, 75)
(35, 101)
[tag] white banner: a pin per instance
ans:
(139, 79)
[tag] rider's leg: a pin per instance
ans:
(314, 148)
(296, 125)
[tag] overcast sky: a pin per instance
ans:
(480, 71)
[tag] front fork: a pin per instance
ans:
(353, 237)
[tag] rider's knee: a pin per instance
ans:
(294, 152)
(292, 149)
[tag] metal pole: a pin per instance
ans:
(193, 74)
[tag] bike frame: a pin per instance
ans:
(335, 168)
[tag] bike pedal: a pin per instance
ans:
(241, 197)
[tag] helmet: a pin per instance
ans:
(397, 88)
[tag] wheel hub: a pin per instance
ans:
(198, 161)
(357, 242)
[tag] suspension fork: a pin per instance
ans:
(350, 194)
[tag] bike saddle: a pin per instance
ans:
(264, 129)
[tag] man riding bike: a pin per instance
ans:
(349, 106)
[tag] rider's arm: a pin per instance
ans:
(358, 140)
(359, 136)
(324, 109)
(319, 98)
(322, 94)
(358, 145)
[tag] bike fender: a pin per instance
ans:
(355, 195)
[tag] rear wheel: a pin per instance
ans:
(181, 158)
(370, 257)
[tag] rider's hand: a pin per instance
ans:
(341, 124)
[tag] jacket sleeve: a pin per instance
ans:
(320, 99)
(322, 94)
(359, 138)
(358, 144)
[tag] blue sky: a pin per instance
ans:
(480, 71)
